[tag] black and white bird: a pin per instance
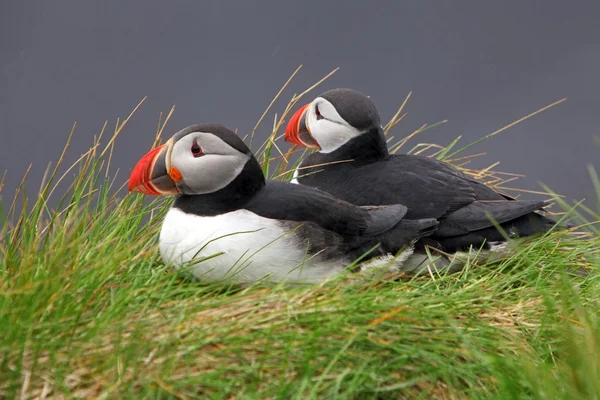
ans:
(235, 225)
(352, 163)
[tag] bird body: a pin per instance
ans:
(240, 245)
(227, 222)
(353, 164)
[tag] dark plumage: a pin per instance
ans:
(241, 226)
(428, 187)
(326, 220)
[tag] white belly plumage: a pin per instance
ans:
(295, 177)
(239, 246)
(243, 247)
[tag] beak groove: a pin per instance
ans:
(293, 127)
(149, 176)
(298, 132)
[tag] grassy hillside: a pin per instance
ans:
(87, 310)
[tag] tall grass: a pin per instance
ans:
(88, 310)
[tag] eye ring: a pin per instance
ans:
(196, 150)
(318, 113)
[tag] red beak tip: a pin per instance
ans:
(139, 180)
(131, 187)
(291, 132)
(288, 136)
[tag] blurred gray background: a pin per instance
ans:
(480, 65)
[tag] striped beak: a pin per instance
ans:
(153, 174)
(298, 132)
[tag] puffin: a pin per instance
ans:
(352, 163)
(228, 223)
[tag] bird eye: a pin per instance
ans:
(318, 113)
(197, 150)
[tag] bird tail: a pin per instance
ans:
(427, 226)
(419, 228)
(533, 224)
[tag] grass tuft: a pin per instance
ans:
(88, 310)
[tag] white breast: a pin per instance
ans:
(295, 177)
(242, 246)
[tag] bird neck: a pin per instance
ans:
(367, 147)
(363, 149)
(232, 197)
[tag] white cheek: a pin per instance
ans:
(332, 131)
(330, 135)
(210, 173)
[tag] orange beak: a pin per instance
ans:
(153, 174)
(298, 132)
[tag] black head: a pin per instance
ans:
(332, 119)
(354, 107)
(199, 159)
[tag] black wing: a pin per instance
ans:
(290, 202)
(480, 214)
(404, 234)
(428, 187)
(383, 218)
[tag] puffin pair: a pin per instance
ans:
(344, 125)
(227, 222)
(352, 201)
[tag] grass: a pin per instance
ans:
(87, 310)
